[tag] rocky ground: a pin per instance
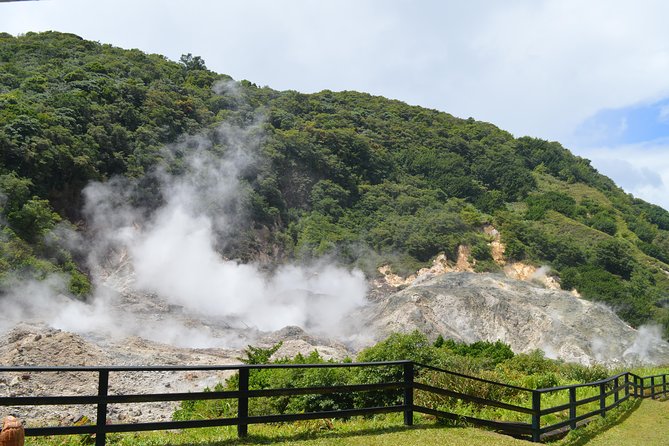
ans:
(471, 307)
(40, 345)
(445, 299)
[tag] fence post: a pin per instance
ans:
(101, 420)
(572, 408)
(652, 387)
(664, 385)
(627, 385)
(602, 399)
(536, 416)
(243, 403)
(408, 393)
(641, 387)
(617, 392)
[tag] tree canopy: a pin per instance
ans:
(364, 178)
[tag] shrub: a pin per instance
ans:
(412, 346)
(584, 374)
(492, 353)
(605, 223)
(614, 256)
(533, 363)
(539, 204)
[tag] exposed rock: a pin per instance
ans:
(391, 279)
(463, 263)
(39, 345)
(440, 265)
(292, 347)
(496, 246)
(525, 272)
(296, 341)
(472, 307)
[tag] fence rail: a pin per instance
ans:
(609, 393)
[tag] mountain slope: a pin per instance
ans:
(366, 179)
(484, 307)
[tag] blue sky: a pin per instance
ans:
(627, 125)
(592, 75)
(631, 145)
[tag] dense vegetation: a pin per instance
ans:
(491, 361)
(363, 178)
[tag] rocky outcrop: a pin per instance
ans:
(41, 345)
(471, 307)
(465, 263)
(440, 265)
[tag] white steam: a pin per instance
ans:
(228, 87)
(175, 258)
(541, 274)
(174, 251)
(643, 349)
(45, 302)
(160, 238)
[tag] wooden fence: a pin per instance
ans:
(412, 378)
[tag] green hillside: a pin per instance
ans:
(363, 178)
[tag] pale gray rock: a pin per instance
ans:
(473, 307)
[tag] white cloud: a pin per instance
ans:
(663, 115)
(641, 169)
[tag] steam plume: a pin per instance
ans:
(165, 241)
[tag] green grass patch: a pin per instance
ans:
(380, 430)
(636, 423)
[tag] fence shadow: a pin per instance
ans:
(588, 433)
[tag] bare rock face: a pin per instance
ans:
(40, 345)
(295, 340)
(471, 307)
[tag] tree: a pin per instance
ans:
(328, 198)
(33, 220)
(14, 192)
(604, 222)
(539, 204)
(613, 255)
(191, 62)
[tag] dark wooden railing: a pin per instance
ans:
(511, 428)
(603, 389)
(608, 393)
(242, 395)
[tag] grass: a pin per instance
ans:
(646, 425)
(380, 430)
(634, 423)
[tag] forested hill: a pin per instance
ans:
(363, 178)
